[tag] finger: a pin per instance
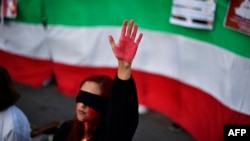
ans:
(111, 41)
(131, 24)
(134, 32)
(124, 26)
(139, 39)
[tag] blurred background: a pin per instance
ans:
(192, 67)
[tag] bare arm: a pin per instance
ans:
(126, 48)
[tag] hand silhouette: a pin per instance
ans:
(126, 48)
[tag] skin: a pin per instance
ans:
(85, 113)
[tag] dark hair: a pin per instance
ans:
(105, 83)
(8, 93)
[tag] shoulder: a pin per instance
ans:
(15, 124)
(66, 124)
(19, 117)
(63, 131)
(14, 111)
(13, 116)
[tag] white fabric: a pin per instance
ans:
(221, 73)
(14, 125)
(24, 39)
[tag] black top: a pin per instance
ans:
(122, 115)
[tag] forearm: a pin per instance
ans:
(124, 70)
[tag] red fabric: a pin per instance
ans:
(26, 70)
(68, 78)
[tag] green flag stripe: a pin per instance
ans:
(29, 11)
(149, 15)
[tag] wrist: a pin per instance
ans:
(123, 64)
(124, 70)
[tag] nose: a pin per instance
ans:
(83, 105)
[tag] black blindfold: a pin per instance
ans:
(94, 101)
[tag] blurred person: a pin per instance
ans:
(106, 108)
(14, 125)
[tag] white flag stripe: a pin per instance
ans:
(24, 39)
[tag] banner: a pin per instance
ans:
(197, 78)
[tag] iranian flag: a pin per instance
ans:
(198, 78)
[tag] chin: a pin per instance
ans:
(86, 120)
(80, 118)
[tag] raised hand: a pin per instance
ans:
(126, 48)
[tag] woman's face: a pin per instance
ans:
(84, 112)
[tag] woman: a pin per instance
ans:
(14, 125)
(106, 109)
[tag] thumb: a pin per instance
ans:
(111, 41)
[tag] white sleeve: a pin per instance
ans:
(10, 136)
(14, 136)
